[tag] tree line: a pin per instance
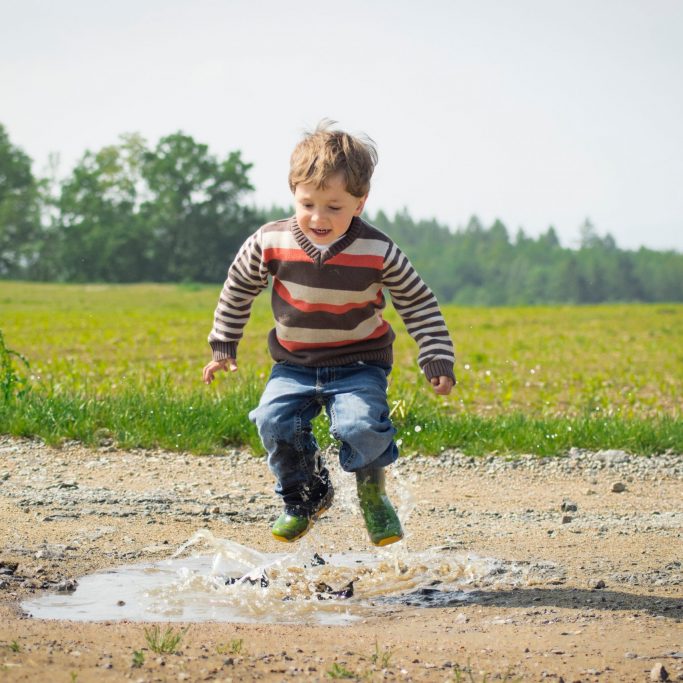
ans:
(175, 212)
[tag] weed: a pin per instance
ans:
(340, 671)
(381, 658)
(138, 659)
(12, 382)
(234, 648)
(14, 646)
(459, 676)
(166, 643)
(74, 676)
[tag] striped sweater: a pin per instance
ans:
(328, 304)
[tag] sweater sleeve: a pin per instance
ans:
(417, 306)
(247, 277)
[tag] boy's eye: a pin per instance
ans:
(335, 208)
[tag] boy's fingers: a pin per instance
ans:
(210, 370)
(442, 385)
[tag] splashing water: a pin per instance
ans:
(309, 585)
(239, 584)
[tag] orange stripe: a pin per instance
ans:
(298, 346)
(307, 307)
(358, 260)
(279, 254)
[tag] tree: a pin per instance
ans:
(19, 209)
(129, 213)
(193, 211)
(101, 235)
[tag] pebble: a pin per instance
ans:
(67, 586)
(568, 506)
(659, 673)
(618, 487)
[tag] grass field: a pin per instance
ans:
(124, 362)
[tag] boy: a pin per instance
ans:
(330, 344)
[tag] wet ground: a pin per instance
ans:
(568, 569)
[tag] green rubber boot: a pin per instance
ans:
(381, 519)
(297, 520)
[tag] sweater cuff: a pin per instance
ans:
(439, 368)
(222, 350)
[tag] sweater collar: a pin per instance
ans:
(314, 252)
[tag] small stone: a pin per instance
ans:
(566, 519)
(67, 586)
(630, 655)
(599, 584)
(659, 673)
(618, 487)
(120, 603)
(569, 506)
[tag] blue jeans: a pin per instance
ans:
(355, 399)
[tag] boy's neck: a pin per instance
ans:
(327, 245)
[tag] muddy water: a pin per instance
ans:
(235, 583)
(230, 582)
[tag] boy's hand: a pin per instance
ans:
(442, 385)
(215, 365)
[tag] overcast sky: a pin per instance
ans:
(537, 112)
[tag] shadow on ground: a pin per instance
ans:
(568, 598)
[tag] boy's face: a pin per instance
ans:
(324, 215)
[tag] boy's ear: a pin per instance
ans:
(360, 206)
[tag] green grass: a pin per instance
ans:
(163, 643)
(122, 364)
(339, 671)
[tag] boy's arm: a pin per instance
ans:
(247, 276)
(419, 309)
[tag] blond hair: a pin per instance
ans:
(327, 152)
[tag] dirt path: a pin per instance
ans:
(591, 594)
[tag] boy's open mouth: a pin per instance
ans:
(320, 231)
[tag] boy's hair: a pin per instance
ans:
(326, 152)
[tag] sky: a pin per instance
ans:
(534, 112)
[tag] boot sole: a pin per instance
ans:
(387, 541)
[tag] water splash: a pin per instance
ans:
(239, 584)
(234, 583)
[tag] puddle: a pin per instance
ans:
(233, 583)
(238, 584)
